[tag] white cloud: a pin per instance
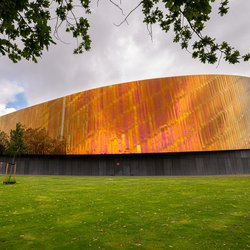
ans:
(4, 110)
(121, 54)
(8, 91)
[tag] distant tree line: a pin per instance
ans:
(23, 140)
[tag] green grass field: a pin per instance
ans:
(125, 213)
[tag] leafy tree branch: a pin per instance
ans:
(25, 26)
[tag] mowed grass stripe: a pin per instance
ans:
(125, 213)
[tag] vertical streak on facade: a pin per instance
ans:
(63, 117)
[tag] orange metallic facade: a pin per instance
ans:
(173, 114)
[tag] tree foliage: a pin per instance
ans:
(188, 19)
(3, 142)
(16, 144)
(39, 142)
(30, 141)
(26, 31)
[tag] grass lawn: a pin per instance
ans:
(125, 213)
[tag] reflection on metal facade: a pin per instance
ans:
(174, 114)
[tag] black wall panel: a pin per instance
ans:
(171, 164)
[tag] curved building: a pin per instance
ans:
(174, 114)
(202, 113)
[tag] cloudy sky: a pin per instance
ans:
(118, 54)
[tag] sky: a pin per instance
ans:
(118, 54)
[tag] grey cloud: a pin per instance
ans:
(121, 54)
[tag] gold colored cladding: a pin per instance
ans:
(190, 113)
(45, 115)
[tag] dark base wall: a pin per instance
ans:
(171, 164)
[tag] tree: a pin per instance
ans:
(26, 31)
(3, 142)
(59, 146)
(39, 142)
(30, 141)
(16, 144)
